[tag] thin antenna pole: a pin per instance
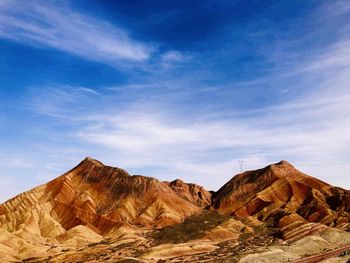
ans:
(241, 166)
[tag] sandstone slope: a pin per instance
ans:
(285, 198)
(90, 202)
(97, 213)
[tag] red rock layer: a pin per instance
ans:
(193, 193)
(285, 198)
(104, 198)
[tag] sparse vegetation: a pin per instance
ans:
(192, 228)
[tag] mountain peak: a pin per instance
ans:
(284, 162)
(285, 165)
(89, 160)
(286, 193)
(94, 201)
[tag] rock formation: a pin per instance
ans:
(103, 197)
(95, 208)
(285, 198)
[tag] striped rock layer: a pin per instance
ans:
(106, 200)
(285, 198)
(94, 202)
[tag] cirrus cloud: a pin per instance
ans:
(66, 30)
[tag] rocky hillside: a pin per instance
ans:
(285, 198)
(96, 200)
(100, 210)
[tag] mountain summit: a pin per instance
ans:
(285, 198)
(96, 203)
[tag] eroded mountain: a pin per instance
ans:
(100, 213)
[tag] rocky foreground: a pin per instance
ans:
(97, 213)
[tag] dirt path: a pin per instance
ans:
(322, 256)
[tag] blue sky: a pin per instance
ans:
(173, 89)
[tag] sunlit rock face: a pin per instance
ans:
(193, 193)
(95, 208)
(93, 198)
(102, 197)
(284, 197)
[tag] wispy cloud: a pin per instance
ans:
(311, 130)
(58, 27)
(299, 132)
(173, 57)
(188, 125)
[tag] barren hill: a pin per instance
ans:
(93, 198)
(286, 198)
(99, 213)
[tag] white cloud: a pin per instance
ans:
(172, 57)
(15, 161)
(335, 57)
(41, 24)
(300, 131)
(120, 128)
(311, 131)
(9, 187)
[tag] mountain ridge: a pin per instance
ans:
(94, 202)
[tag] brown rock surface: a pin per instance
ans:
(191, 192)
(97, 213)
(284, 197)
(94, 198)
